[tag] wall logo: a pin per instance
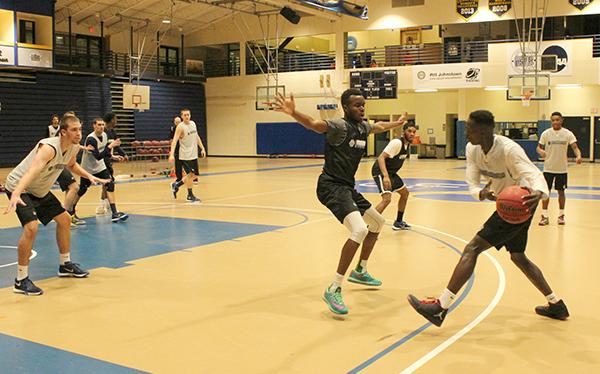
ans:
(562, 58)
(421, 75)
(472, 75)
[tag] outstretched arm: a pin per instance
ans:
(380, 127)
(288, 106)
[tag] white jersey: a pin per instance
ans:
(40, 186)
(556, 144)
(506, 164)
(89, 161)
(188, 144)
(53, 131)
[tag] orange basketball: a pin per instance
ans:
(509, 205)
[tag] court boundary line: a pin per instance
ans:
(459, 334)
(33, 255)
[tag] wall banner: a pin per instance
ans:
(7, 55)
(499, 7)
(467, 8)
(447, 76)
(560, 49)
(580, 4)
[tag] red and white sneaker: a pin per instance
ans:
(544, 221)
(561, 219)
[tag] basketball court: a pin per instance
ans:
(234, 283)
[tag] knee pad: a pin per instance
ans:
(110, 186)
(375, 220)
(357, 226)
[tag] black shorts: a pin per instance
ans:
(190, 166)
(339, 198)
(397, 183)
(65, 179)
(109, 167)
(559, 180)
(38, 208)
(104, 174)
(500, 233)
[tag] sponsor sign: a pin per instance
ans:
(447, 76)
(41, 58)
(562, 51)
(7, 55)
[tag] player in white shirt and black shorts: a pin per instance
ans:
(553, 146)
(502, 163)
(385, 174)
(186, 136)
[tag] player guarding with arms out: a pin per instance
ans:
(186, 135)
(385, 173)
(553, 147)
(346, 140)
(502, 163)
(28, 188)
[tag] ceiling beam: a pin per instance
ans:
(321, 13)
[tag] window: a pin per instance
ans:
(26, 31)
(169, 60)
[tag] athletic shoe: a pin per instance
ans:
(101, 209)
(400, 225)
(544, 221)
(192, 199)
(561, 219)
(557, 310)
(119, 216)
(26, 287)
(334, 301)
(363, 278)
(76, 221)
(71, 269)
(174, 189)
(429, 308)
(195, 181)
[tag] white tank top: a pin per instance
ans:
(41, 185)
(88, 161)
(53, 131)
(188, 144)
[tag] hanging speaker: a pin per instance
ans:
(290, 14)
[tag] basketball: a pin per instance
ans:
(509, 205)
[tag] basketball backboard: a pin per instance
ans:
(136, 97)
(266, 95)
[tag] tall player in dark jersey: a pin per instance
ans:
(385, 174)
(346, 140)
(110, 120)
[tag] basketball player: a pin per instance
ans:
(503, 163)
(186, 136)
(385, 171)
(93, 162)
(346, 140)
(110, 121)
(178, 167)
(53, 127)
(28, 188)
(67, 183)
(553, 146)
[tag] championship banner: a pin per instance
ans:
(580, 4)
(467, 8)
(499, 7)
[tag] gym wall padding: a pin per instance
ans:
(276, 138)
(27, 107)
(166, 101)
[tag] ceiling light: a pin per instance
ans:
(496, 88)
(166, 21)
(427, 90)
(572, 85)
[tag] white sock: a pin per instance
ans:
(552, 299)
(337, 282)
(561, 212)
(65, 257)
(446, 298)
(363, 266)
(545, 213)
(22, 272)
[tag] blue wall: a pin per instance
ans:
(166, 100)
(27, 107)
(289, 138)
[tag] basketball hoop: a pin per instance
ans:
(526, 98)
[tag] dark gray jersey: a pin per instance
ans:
(344, 147)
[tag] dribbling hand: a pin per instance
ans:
(13, 202)
(486, 193)
(95, 180)
(387, 183)
(531, 200)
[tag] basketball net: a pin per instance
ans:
(526, 98)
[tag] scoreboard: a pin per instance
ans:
(375, 84)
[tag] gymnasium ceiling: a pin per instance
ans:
(186, 16)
